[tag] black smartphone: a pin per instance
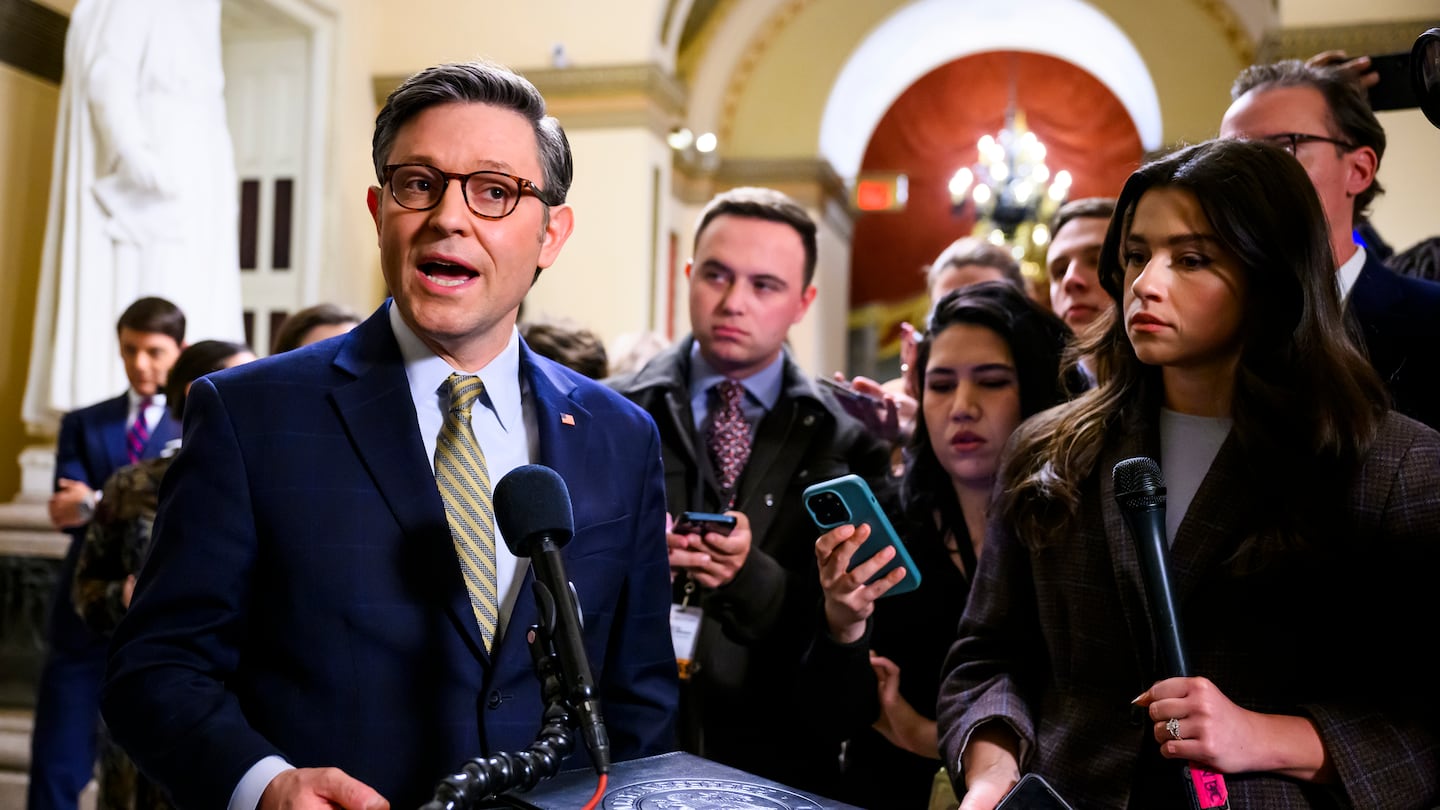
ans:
(847, 500)
(1032, 792)
(863, 407)
(702, 522)
(1396, 88)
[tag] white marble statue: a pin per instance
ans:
(142, 198)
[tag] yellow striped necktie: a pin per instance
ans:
(464, 485)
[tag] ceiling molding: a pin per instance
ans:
(744, 68)
(1354, 39)
(1231, 28)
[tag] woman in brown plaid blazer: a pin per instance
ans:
(1302, 567)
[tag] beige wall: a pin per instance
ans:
(1296, 13)
(516, 34)
(27, 127)
(1410, 172)
(604, 276)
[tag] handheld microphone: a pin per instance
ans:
(1140, 492)
(532, 508)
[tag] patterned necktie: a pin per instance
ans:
(465, 487)
(138, 434)
(728, 436)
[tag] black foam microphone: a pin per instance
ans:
(1140, 492)
(532, 508)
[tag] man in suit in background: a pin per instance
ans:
(756, 591)
(95, 442)
(306, 629)
(1321, 116)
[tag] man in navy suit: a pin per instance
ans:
(1321, 116)
(95, 442)
(301, 635)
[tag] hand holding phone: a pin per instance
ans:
(878, 414)
(847, 500)
(721, 550)
(701, 523)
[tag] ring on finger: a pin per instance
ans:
(1173, 726)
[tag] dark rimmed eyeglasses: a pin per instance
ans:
(488, 195)
(1290, 141)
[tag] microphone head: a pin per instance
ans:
(1138, 483)
(531, 504)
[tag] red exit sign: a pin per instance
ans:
(881, 192)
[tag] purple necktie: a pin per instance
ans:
(728, 436)
(138, 434)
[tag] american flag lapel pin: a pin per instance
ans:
(567, 419)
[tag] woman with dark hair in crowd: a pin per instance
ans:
(312, 325)
(1304, 519)
(114, 550)
(990, 358)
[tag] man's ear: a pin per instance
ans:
(372, 201)
(806, 299)
(1361, 168)
(558, 229)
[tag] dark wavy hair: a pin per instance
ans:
(1305, 401)
(294, 328)
(1037, 339)
(197, 360)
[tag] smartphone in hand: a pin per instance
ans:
(847, 500)
(1395, 89)
(702, 522)
(1032, 792)
(865, 408)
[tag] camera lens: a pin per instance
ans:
(828, 509)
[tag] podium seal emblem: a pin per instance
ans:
(704, 794)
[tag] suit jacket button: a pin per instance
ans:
(769, 499)
(494, 699)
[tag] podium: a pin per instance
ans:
(676, 779)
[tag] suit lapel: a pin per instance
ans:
(1211, 528)
(783, 438)
(378, 415)
(563, 423)
(112, 435)
(564, 428)
(166, 431)
(1206, 535)
(1124, 560)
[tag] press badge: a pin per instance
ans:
(684, 629)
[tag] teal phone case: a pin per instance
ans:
(848, 500)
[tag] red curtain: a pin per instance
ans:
(931, 131)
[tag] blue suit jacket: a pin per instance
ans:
(303, 597)
(1399, 320)
(91, 447)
